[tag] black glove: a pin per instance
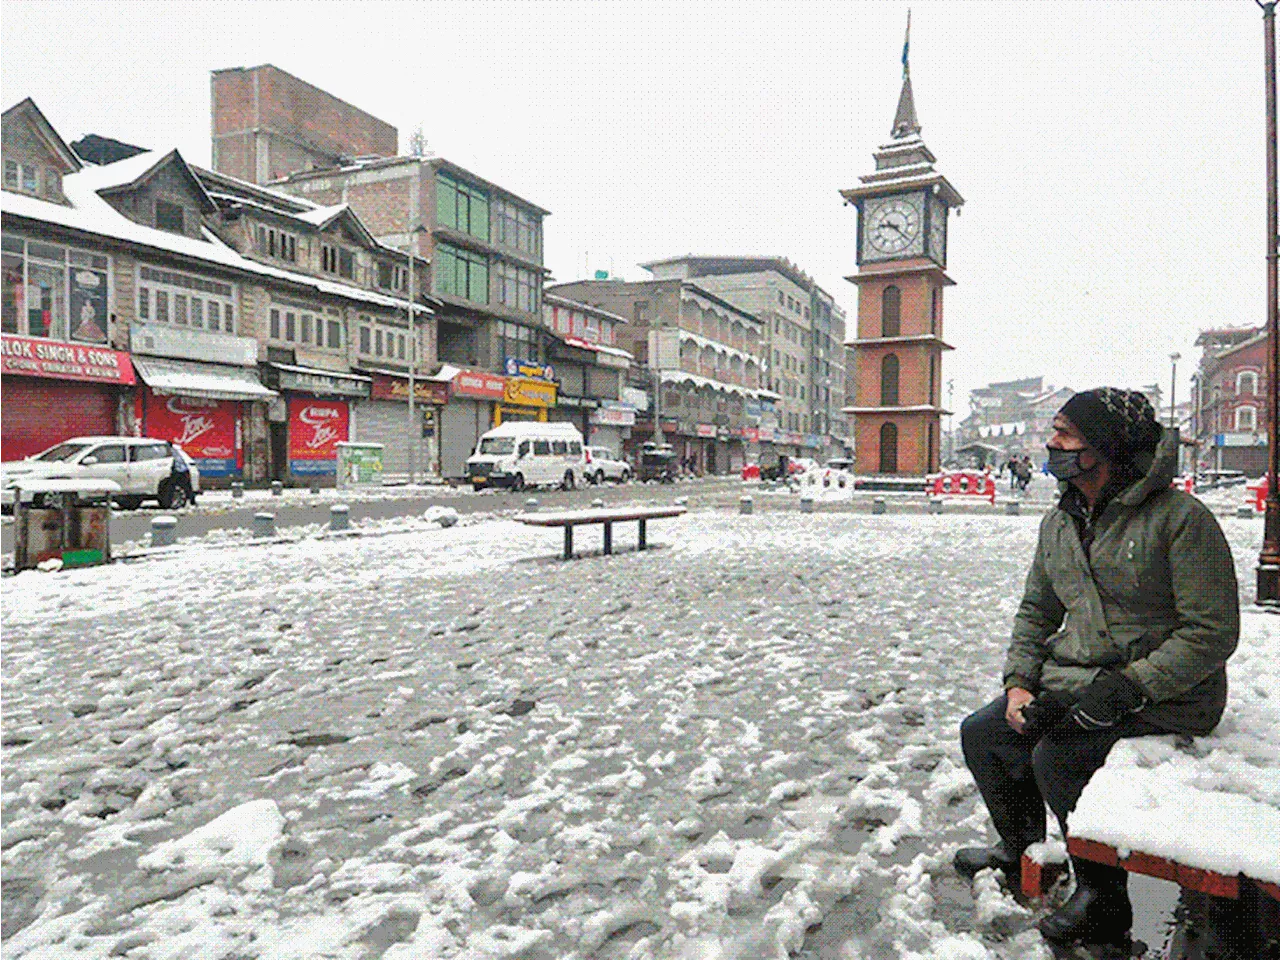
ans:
(1044, 713)
(1107, 700)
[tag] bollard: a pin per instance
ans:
(237, 490)
(264, 525)
(1245, 512)
(745, 506)
(315, 485)
(164, 531)
(806, 504)
(531, 505)
(597, 502)
(877, 505)
(1012, 508)
(277, 488)
(339, 516)
(935, 505)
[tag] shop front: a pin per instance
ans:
(470, 412)
(610, 424)
(575, 410)
(54, 390)
(202, 407)
(384, 419)
(309, 419)
(525, 398)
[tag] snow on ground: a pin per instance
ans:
(448, 743)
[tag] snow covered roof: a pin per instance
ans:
(682, 376)
(210, 380)
(45, 129)
(597, 347)
(135, 170)
(717, 346)
(91, 214)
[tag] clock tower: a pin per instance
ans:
(902, 257)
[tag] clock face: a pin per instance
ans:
(938, 232)
(893, 225)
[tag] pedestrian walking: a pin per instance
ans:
(1129, 614)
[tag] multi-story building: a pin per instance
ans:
(1230, 418)
(123, 314)
(1014, 417)
(802, 353)
(591, 370)
(268, 124)
(708, 363)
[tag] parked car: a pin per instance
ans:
(840, 463)
(1212, 479)
(603, 464)
(145, 468)
(522, 454)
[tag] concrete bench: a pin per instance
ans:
(607, 518)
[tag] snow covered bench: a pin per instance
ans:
(575, 518)
(1204, 814)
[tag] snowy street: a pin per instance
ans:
(449, 743)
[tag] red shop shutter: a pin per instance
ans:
(36, 413)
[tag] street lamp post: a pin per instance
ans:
(1268, 576)
(413, 428)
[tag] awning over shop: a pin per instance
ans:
(209, 380)
(287, 376)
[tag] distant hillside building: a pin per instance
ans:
(1014, 417)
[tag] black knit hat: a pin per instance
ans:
(1119, 424)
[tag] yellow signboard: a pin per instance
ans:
(529, 393)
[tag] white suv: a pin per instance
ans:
(145, 468)
(603, 464)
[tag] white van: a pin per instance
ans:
(523, 454)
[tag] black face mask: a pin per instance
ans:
(1065, 464)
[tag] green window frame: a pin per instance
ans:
(461, 273)
(462, 206)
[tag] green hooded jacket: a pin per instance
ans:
(1156, 596)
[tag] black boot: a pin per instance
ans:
(1097, 912)
(969, 860)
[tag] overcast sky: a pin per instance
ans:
(1111, 153)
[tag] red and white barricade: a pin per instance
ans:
(1187, 483)
(1258, 494)
(966, 483)
(751, 471)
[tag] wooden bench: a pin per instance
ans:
(576, 518)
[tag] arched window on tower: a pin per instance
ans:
(889, 448)
(891, 312)
(935, 310)
(889, 381)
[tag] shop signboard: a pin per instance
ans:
(316, 427)
(359, 464)
(34, 357)
(515, 367)
(765, 434)
(529, 393)
(705, 430)
(614, 415)
(751, 434)
(208, 430)
(1240, 439)
(313, 381)
(635, 398)
(387, 387)
(478, 384)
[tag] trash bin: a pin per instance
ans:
(68, 520)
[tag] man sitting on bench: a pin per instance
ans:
(1129, 614)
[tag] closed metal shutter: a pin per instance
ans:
(385, 422)
(39, 413)
(462, 423)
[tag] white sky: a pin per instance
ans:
(1111, 153)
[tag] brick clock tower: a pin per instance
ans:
(902, 256)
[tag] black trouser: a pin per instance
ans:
(1017, 776)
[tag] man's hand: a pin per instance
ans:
(1105, 701)
(1044, 713)
(1015, 699)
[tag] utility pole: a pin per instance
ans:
(1268, 582)
(413, 360)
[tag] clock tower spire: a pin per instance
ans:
(902, 256)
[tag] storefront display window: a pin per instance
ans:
(51, 291)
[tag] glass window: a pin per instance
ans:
(11, 174)
(180, 309)
(400, 343)
(377, 343)
(30, 180)
(162, 306)
(290, 326)
(559, 448)
(365, 340)
(542, 448)
(346, 264)
(144, 303)
(524, 448)
(335, 334)
(275, 324)
(150, 451)
(213, 315)
(197, 312)
(108, 453)
(46, 301)
(306, 328)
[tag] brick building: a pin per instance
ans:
(268, 124)
(1230, 415)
